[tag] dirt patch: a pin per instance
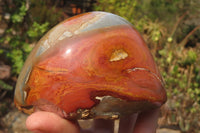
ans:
(14, 122)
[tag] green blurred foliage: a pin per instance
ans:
(19, 15)
(28, 21)
(171, 30)
(42, 12)
(37, 30)
(5, 86)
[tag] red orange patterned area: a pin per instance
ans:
(82, 66)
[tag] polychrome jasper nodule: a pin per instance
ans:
(94, 65)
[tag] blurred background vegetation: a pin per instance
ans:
(171, 29)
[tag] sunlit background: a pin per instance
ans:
(171, 29)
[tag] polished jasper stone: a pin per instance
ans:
(94, 65)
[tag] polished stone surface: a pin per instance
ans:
(84, 59)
